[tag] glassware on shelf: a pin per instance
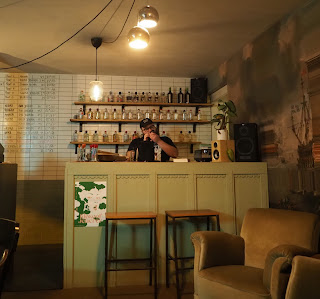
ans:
(115, 137)
(169, 117)
(142, 97)
(189, 137)
(95, 137)
(130, 115)
(80, 113)
(161, 116)
(114, 114)
(154, 115)
(163, 134)
(181, 137)
(163, 98)
(105, 114)
(119, 97)
(97, 114)
(139, 114)
(176, 115)
(125, 136)
(147, 114)
(136, 97)
(170, 96)
(184, 115)
(129, 97)
(75, 136)
(180, 96)
(124, 114)
(86, 136)
(82, 96)
(90, 114)
(156, 97)
(105, 137)
(190, 115)
(110, 97)
(187, 96)
(199, 115)
(149, 97)
(135, 135)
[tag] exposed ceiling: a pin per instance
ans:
(191, 39)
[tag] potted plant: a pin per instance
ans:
(227, 111)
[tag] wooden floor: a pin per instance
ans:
(140, 292)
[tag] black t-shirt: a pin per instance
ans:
(146, 149)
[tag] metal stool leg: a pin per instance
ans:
(155, 257)
(106, 262)
(176, 257)
(150, 253)
(167, 253)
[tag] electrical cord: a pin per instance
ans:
(110, 18)
(123, 24)
(11, 4)
(16, 66)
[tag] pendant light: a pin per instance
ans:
(96, 87)
(148, 17)
(138, 37)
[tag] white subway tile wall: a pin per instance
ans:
(35, 112)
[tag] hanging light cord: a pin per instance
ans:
(123, 25)
(104, 27)
(96, 64)
(16, 66)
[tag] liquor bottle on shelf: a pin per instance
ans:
(139, 114)
(90, 114)
(161, 116)
(149, 97)
(97, 114)
(154, 115)
(82, 96)
(110, 97)
(180, 97)
(115, 137)
(124, 114)
(80, 113)
(175, 115)
(143, 97)
(105, 137)
(190, 115)
(147, 114)
(169, 96)
(163, 98)
(129, 97)
(189, 137)
(95, 137)
(114, 114)
(119, 97)
(163, 134)
(187, 96)
(136, 97)
(181, 137)
(86, 136)
(130, 115)
(135, 135)
(199, 115)
(105, 114)
(168, 115)
(125, 136)
(75, 136)
(156, 97)
(184, 115)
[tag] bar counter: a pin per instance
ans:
(229, 188)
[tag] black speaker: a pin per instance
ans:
(199, 90)
(246, 142)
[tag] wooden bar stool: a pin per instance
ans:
(175, 258)
(152, 259)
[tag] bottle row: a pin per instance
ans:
(154, 115)
(149, 97)
(125, 137)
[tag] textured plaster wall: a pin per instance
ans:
(264, 81)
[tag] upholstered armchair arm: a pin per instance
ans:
(216, 249)
(278, 265)
(304, 278)
(3, 256)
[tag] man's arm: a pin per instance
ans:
(170, 150)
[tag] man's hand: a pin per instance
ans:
(154, 137)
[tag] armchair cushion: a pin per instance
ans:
(287, 252)
(218, 248)
(232, 282)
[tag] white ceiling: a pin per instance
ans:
(191, 39)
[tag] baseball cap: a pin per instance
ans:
(145, 122)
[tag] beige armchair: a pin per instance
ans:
(256, 264)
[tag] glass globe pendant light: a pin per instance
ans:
(138, 37)
(96, 87)
(148, 17)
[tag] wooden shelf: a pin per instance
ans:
(138, 121)
(145, 104)
(126, 143)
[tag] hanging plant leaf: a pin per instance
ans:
(231, 106)
(232, 114)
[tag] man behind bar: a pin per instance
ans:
(151, 147)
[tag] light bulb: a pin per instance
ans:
(96, 90)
